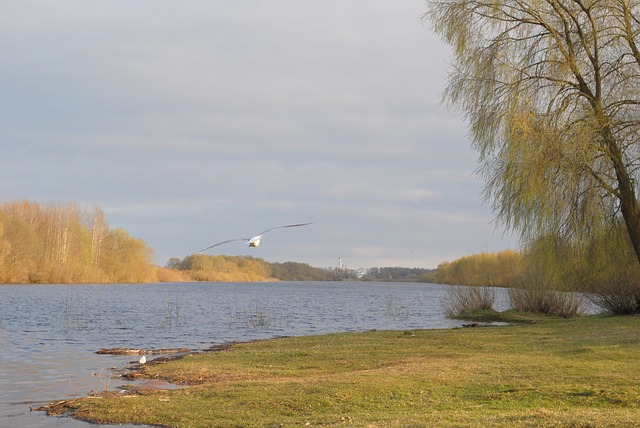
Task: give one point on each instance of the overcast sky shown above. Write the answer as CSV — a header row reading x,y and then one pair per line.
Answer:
x,y
193,122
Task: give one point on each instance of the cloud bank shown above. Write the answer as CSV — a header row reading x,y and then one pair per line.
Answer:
x,y
194,122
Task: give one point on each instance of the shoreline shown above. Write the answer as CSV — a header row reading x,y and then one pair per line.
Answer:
x,y
137,372
571,374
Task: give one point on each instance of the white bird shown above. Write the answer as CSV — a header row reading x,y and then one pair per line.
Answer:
x,y
143,359
254,241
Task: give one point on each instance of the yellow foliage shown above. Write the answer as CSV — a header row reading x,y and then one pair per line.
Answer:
x,y
201,267
59,243
486,269
172,275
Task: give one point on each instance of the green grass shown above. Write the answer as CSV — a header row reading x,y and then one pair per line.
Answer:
x,y
553,373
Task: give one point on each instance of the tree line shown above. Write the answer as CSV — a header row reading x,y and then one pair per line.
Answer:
x,y
61,243
400,274
501,269
198,267
221,268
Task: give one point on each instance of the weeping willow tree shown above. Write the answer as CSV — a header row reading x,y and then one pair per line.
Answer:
x,y
551,89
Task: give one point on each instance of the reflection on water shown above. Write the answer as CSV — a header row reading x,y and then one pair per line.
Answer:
x,y
49,333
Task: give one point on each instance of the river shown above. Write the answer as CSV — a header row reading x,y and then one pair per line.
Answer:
x,y
49,333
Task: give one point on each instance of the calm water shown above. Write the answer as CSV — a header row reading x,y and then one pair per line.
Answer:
x,y
49,333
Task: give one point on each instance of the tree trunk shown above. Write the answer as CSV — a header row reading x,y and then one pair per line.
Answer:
x,y
630,211
626,193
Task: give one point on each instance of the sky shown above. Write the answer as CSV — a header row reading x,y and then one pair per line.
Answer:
x,y
194,122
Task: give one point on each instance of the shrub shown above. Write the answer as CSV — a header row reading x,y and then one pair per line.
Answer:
x,y
619,293
172,275
462,301
535,292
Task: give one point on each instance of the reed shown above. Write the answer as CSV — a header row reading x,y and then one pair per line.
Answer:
x,y
254,316
394,307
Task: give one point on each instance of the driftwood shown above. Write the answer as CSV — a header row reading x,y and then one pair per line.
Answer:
x,y
133,351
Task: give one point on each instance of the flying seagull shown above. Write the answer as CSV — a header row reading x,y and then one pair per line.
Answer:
x,y
254,241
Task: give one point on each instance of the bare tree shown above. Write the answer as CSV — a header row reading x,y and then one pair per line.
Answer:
x,y
99,229
551,89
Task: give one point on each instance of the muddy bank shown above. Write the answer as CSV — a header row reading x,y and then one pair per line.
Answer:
x,y
135,372
134,351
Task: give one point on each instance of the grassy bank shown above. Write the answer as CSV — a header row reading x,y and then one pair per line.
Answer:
x,y
577,373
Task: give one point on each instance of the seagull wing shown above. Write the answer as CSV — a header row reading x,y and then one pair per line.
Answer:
x,y
282,227
223,242
254,237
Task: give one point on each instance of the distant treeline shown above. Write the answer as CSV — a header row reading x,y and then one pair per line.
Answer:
x,y
199,267
60,243
400,274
